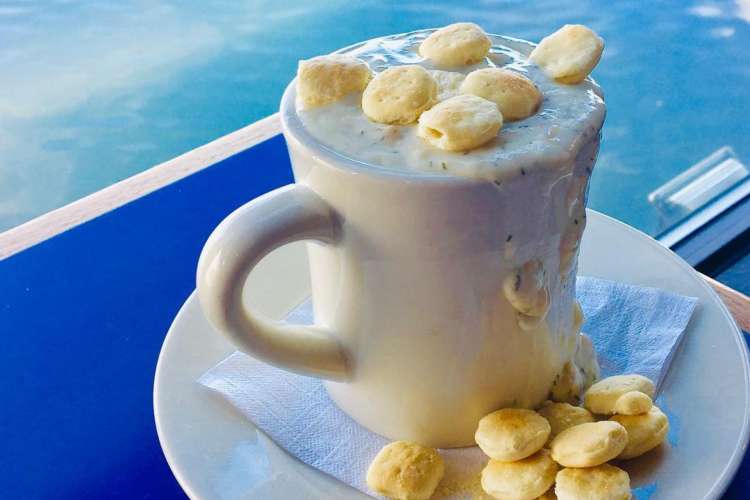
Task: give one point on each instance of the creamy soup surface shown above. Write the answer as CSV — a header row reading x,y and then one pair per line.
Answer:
x,y
567,118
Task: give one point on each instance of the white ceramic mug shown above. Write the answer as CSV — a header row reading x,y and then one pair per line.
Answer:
x,y
412,332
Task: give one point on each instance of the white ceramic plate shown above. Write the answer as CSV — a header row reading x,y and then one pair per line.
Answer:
x,y
217,454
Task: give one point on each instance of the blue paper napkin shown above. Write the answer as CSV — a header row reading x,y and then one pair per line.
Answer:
x,y
634,330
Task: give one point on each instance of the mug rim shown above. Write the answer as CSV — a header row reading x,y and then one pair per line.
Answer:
x,y
294,130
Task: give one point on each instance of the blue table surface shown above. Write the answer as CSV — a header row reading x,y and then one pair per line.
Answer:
x,y
84,315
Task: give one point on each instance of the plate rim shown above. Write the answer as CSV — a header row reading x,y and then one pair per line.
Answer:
x,y
179,475
720,484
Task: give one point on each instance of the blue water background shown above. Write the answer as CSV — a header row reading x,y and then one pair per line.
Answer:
x,y
93,92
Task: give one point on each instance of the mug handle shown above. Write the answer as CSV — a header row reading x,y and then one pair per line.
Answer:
x,y
287,214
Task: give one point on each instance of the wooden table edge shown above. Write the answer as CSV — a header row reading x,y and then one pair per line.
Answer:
x,y
100,202
60,220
